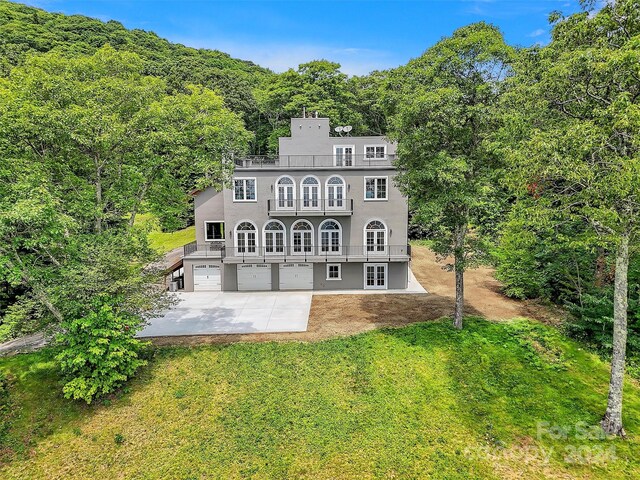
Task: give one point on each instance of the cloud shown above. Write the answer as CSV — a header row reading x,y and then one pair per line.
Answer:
x,y
279,57
537,33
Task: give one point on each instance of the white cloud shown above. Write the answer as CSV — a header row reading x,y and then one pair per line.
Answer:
x,y
282,56
537,33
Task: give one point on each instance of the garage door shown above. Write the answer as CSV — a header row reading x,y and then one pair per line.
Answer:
x,y
296,276
206,277
254,277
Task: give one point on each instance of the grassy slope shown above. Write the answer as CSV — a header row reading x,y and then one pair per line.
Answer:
x,y
405,403
164,241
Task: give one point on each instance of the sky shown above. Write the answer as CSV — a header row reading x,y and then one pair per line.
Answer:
x,y
360,35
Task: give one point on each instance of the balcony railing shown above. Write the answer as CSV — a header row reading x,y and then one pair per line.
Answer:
x,y
319,206
301,253
316,161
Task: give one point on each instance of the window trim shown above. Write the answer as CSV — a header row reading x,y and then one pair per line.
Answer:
x,y
320,252
301,220
335,155
233,192
339,265
384,156
364,192
235,239
386,276
277,192
284,237
214,239
386,237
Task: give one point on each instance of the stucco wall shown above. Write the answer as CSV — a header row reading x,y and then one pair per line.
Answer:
x,y
209,205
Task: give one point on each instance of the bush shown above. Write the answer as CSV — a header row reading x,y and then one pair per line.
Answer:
x,y
99,352
5,409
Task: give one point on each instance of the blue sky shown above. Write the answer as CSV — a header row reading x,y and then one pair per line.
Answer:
x,y
360,35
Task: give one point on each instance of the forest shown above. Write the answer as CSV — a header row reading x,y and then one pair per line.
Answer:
x,y
526,159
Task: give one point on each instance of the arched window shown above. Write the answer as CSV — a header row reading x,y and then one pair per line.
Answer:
x,y
273,239
310,193
246,238
331,237
335,193
302,237
285,193
375,237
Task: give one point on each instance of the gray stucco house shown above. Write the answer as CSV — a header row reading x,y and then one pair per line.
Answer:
x,y
322,215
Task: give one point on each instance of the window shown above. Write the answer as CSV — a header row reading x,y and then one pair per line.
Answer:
x,y
335,193
330,237
375,275
375,237
246,239
334,271
375,188
302,237
285,193
343,155
375,151
310,193
213,231
273,238
244,189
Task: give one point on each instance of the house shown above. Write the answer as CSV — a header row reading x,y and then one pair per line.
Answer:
x,y
322,215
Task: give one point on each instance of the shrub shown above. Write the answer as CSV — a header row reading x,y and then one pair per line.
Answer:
x,y
99,352
5,409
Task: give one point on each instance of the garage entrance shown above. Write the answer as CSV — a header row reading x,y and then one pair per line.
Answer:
x,y
206,277
254,276
296,276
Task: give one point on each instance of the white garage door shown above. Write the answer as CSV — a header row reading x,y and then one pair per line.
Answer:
x,y
296,276
254,277
206,277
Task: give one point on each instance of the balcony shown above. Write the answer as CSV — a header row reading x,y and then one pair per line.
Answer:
x,y
344,161
309,207
299,253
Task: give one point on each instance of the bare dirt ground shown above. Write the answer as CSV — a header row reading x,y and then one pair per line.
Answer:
x,y
340,315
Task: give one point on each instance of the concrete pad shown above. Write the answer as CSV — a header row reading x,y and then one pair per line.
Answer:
x,y
209,313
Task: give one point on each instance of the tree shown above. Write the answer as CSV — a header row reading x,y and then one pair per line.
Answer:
x,y
444,115
574,128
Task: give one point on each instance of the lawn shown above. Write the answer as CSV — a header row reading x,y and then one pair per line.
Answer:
x,y
161,241
415,402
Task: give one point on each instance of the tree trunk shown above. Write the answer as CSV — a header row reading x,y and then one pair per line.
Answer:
x,y
612,421
99,207
459,267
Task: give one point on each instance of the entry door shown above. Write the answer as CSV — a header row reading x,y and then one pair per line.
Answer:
x,y
375,276
296,276
206,277
344,156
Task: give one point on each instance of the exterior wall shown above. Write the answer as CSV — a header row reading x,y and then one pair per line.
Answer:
x,y
209,206
229,278
188,271
394,211
310,136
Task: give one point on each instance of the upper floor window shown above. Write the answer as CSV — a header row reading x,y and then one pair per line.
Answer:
x,y
335,193
244,189
375,151
246,238
285,193
302,237
310,192
273,239
343,155
213,231
375,188
330,237
375,237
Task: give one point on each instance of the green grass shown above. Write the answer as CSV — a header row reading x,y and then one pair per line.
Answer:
x,y
161,241
424,401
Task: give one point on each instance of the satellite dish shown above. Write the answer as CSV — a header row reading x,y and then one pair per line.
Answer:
x,y
339,129
348,128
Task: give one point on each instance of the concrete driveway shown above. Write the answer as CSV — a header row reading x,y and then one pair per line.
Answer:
x,y
201,313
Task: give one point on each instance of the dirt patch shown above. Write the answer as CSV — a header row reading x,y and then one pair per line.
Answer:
x,y
341,315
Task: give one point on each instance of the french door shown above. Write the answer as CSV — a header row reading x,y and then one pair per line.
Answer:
x,y
375,276
302,242
285,197
344,156
335,196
